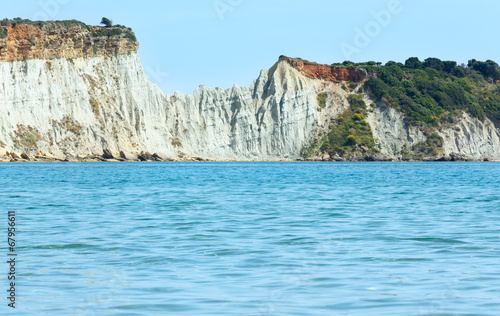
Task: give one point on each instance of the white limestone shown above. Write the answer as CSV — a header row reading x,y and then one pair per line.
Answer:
x,y
84,106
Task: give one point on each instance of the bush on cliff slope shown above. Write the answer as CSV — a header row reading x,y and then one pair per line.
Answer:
x,y
348,135
350,131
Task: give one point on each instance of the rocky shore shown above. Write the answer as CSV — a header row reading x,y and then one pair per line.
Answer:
x,y
7,155
453,157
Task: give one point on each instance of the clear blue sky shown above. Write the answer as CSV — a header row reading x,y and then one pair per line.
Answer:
x,y
222,42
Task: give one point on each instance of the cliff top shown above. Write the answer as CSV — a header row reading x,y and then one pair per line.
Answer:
x,y
325,72
24,39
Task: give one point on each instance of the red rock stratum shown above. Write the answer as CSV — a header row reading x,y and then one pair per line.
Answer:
x,y
325,72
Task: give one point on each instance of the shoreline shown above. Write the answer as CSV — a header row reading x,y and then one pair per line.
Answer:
x,y
52,161
108,156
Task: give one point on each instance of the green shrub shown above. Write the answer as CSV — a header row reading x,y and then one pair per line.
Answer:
x,y
348,132
107,32
356,103
358,117
322,99
40,24
351,140
131,36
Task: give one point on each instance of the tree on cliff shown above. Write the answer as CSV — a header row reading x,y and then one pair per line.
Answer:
x,y
435,63
413,63
107,22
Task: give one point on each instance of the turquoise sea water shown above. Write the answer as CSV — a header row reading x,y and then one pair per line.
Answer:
x,y
254,238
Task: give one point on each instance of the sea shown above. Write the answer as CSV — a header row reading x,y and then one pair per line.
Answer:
x,y
252,238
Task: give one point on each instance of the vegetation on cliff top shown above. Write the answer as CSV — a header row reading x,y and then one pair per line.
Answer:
x,y
435,91
107,22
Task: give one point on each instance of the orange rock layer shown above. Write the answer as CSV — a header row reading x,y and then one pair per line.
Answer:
x,y
325,72
58,41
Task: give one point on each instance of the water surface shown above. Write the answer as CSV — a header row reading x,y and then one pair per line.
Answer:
x,y
255,238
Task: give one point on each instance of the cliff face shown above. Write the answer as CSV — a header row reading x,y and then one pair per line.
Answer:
x,y
55,40
468,136
69,93
85,106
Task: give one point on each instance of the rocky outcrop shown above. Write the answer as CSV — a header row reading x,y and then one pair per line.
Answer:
x,y
56,40
325,72
390,131
471,138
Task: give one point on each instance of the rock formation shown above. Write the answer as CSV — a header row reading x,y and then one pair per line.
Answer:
x,y
56,40
325,72
67,93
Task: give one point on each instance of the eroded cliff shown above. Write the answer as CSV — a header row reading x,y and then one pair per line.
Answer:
x,y
68,94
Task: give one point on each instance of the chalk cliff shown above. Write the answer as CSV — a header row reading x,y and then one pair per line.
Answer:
x,y
68,93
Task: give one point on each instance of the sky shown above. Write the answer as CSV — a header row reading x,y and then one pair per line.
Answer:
x,y
219,43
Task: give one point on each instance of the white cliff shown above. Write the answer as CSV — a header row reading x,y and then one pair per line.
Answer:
x,y
469,136
82,106
472,137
